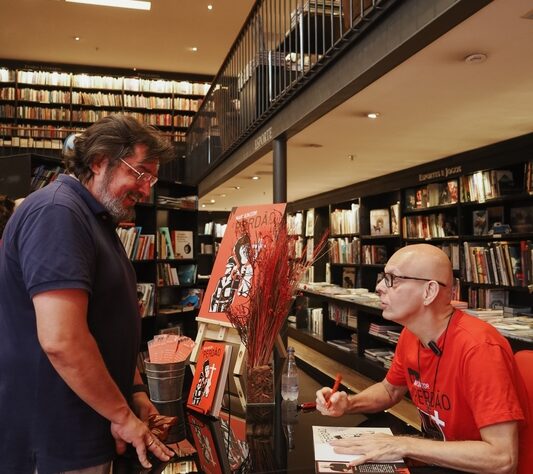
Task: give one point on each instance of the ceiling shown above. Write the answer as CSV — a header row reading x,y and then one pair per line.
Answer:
x,y
433,105
160,39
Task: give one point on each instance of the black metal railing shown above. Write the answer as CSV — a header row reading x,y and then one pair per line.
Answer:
x,y
280,47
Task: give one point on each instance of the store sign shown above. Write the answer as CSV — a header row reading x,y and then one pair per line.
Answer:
x,y
443,173
263,139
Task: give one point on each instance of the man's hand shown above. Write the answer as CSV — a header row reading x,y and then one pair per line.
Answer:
x,y
371,447
337,403
132,430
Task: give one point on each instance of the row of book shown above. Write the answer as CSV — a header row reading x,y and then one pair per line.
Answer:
x,y
344,250
343,314
63,79
345,221
183,202
174,244
44,131
499,263
429,226
215,229
39,113
152,102
136,245
296,246
452,250
43,175
490,298
17,142
347,345
431,195
169,275
146,297
385,221
43,96
484,185
295,223
381,356
374,254
387,332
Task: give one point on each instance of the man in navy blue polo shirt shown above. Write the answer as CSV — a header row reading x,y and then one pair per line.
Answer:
x,y
69,318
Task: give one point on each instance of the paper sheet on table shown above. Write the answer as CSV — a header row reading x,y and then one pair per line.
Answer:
x,y
322,435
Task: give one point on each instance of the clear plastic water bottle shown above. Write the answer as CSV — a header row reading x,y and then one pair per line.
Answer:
x,y
289,378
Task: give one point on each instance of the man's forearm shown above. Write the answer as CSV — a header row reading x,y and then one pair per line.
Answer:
x,y
377,397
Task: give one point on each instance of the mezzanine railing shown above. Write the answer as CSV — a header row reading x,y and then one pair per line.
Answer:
x,y
281,46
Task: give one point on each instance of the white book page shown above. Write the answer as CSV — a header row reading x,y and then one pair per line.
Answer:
x,y
322,435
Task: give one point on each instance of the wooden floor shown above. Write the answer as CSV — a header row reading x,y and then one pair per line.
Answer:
x,y
354,381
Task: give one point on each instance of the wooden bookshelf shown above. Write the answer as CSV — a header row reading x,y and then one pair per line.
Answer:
x,y
455,203
40,105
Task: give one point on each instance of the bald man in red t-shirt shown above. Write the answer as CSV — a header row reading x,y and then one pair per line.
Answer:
x,y
459,371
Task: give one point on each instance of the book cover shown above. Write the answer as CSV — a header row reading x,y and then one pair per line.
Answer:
x,y
379,222
191,298
522,219
348,277
187,274
206,435
395,218
209,379
328,461
232,275
183,244
165,246
480,222
410,199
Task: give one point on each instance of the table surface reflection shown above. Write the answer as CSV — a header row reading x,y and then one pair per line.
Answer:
x,y
273,439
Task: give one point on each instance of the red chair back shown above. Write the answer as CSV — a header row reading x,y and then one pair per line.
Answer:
x,y
524,360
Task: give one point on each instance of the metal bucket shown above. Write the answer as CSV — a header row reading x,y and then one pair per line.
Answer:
x,y
165,381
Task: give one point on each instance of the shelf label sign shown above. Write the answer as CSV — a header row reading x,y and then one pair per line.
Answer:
x,y
442,173
263,139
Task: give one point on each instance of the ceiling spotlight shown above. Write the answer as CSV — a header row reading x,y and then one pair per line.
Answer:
x,y
209,7
212,201
351,157
76,38
194,48
373,115
236,187
223,195
203,205
255,178
476,58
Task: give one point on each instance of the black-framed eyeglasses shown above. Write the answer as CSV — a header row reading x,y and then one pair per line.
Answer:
x,y
142,177
390,277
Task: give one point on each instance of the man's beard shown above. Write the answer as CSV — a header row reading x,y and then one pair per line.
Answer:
x,y
113,204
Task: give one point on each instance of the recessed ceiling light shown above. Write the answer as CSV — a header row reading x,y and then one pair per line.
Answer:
x,y
236,187
373,115
194,48
209,7
223,195
203,205
255,178
76,38
135,4
212,201
476,58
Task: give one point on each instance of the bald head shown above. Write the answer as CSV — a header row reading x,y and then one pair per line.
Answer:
x,y
422,261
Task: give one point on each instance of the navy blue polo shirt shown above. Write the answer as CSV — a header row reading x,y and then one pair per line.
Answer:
x,y
60,237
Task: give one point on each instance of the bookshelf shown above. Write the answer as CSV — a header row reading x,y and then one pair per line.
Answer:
x,y
41,105
477,207
211,228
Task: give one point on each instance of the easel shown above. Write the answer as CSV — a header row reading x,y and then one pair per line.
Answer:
x,y
223,331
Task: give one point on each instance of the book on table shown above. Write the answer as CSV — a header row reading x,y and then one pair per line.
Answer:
x,y
209,380
328,461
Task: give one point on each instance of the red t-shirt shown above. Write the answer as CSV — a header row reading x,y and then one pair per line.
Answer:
x,y
472,384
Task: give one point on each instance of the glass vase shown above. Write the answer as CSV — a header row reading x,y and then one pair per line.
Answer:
x,y
260,385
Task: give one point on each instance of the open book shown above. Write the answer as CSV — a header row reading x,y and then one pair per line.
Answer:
x,y
328,461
